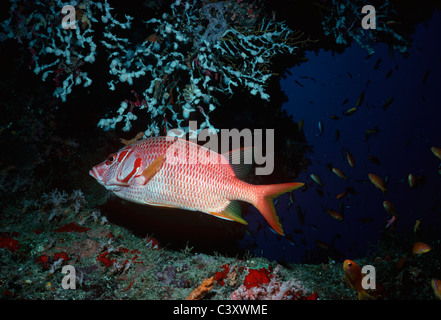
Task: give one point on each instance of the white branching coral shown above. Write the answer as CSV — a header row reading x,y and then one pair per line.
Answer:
x,y
58,202
58,52
78,200
344,23
190,55
195,53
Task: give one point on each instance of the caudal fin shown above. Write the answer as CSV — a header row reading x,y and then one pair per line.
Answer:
x,y
264,202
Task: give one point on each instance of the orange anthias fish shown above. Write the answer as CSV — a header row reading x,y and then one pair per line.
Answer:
x,y
390,222
317,179
436,286
416,226
173,172
376,180
341,195
412,181
420,248
436,151
300,125
350,158
335,214
389,207
339,173
353,275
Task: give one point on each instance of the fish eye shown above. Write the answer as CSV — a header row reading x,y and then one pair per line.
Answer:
x,y
110,159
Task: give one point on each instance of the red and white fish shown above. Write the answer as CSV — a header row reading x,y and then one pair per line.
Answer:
x,y
172,172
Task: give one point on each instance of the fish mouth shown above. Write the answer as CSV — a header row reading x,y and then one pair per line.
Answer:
x,y
94,173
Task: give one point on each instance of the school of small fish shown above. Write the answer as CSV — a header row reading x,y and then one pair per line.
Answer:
x,y
351,270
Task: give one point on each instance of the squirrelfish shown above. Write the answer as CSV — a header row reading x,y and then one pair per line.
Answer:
x,y
173,172
376,180
354,276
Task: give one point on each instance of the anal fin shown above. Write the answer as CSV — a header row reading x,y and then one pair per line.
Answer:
x,y
231,212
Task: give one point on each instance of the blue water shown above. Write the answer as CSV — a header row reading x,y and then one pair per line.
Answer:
x,y
408,128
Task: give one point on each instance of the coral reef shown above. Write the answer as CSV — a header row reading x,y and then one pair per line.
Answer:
x,y
343,23
188,55
112,263
262,284
188,63
202,289
181,64
56,52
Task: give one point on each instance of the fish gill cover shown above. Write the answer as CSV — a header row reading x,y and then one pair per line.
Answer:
x,y
352,109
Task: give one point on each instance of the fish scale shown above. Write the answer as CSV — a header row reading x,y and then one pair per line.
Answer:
x,y
174,172
180,190
176,184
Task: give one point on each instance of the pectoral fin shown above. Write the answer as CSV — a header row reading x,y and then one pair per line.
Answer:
x,y
153,168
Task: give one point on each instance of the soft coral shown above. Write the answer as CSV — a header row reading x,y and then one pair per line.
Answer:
x,y
256,277
260,284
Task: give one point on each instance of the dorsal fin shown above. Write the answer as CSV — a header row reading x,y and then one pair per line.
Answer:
x,y
241,161
153,168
